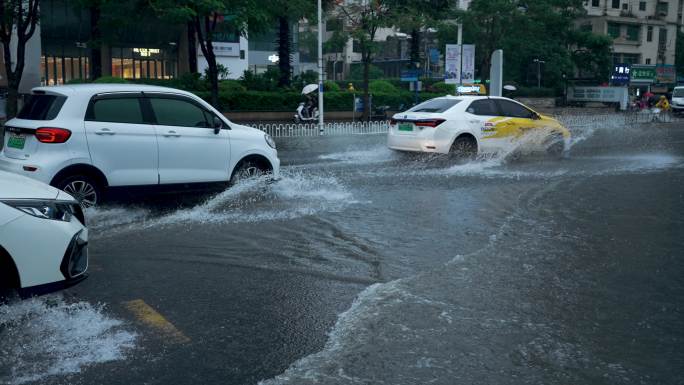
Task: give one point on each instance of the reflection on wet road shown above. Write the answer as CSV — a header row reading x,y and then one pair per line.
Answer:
x,y
362,265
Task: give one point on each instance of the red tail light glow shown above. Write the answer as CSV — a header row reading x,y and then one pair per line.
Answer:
x,y
429,122
393,122
52,135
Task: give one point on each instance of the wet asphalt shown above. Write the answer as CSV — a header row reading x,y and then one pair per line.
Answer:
x,y
377,267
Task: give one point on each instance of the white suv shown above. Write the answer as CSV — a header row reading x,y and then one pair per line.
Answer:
x,y
86,138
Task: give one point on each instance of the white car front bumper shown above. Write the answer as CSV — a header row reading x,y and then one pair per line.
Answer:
x,y
46,251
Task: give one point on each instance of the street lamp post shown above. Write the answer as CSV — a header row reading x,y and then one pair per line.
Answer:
x,y
320,67
539,63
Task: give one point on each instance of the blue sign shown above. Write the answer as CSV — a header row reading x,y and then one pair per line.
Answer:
x,y
620,74
410,75
434,55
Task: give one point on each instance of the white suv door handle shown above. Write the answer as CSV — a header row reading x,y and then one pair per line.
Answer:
x,y
172,133
105,131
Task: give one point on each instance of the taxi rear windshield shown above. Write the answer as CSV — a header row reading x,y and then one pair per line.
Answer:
x,y
42,107
435,105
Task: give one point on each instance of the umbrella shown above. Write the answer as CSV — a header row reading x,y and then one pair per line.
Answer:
x,y
309,88
509,88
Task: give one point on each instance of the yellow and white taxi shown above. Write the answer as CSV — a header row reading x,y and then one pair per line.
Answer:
x,y
470,125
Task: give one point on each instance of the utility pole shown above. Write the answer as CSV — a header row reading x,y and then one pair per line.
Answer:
x,y
539,63
320,68
459,41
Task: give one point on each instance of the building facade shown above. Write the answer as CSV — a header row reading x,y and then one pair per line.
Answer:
x,y
644,32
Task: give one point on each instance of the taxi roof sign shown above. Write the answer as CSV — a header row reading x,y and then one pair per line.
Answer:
x,y
472,89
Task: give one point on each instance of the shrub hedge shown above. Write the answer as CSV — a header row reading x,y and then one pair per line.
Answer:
x,y
288,101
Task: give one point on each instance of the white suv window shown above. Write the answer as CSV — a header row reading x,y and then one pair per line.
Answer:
x,y
177,112
116,110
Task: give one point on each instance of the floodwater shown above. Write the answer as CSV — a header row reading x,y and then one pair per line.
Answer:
x,y
364,266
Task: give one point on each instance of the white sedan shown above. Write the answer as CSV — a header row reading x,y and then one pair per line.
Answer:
x,y
43,237
470,125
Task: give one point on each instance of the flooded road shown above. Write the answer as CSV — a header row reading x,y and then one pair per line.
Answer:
x,y
364,266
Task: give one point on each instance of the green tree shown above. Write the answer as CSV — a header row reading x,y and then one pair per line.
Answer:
x,y
205,17
414,17
528,30
284,13
363,18
18,19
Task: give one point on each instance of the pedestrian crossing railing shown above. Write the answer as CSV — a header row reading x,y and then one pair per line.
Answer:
x,y
614,120
279,130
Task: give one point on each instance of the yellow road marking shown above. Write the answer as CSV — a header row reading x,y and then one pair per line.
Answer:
x,y
147,315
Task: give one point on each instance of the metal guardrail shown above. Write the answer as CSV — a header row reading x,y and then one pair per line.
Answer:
x,y
617,120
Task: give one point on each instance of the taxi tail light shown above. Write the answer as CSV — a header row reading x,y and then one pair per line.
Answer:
x,y
393,122
52,135
429,122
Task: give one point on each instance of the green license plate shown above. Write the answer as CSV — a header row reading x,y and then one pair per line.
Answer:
x,y
16,141
405,126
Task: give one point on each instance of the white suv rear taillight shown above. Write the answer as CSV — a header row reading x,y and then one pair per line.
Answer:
x,y
52,135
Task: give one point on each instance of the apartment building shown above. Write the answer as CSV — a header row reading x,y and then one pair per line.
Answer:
x,y
643,31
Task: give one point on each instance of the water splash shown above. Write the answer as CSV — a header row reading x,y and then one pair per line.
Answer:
x,y
296,194
46,336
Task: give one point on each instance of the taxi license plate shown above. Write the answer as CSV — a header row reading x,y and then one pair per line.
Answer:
x,y
16,141
405,126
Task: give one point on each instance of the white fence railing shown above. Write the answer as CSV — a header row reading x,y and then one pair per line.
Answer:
x,y
280,130
284,130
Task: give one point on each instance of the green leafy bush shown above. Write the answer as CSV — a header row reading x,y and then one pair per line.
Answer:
x,y
381,86
77,81
356,72
442,87
535,92
267,81
330,86
231,86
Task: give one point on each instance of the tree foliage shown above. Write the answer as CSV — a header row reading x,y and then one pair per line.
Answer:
x,y
18,20
205,17
528,30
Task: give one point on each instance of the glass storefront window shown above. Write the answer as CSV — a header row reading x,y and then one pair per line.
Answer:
x,y
140,62
60,70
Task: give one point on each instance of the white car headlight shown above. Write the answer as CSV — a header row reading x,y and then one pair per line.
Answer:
x,y
270,141
54,210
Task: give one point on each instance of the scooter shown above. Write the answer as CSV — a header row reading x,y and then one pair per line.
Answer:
x,y
307,113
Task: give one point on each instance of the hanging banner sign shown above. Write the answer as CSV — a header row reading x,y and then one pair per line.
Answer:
x,y
452,72
468,58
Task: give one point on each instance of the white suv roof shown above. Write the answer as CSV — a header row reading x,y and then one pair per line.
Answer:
x,y
94,89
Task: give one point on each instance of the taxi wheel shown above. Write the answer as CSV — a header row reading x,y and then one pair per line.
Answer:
x,y
464,147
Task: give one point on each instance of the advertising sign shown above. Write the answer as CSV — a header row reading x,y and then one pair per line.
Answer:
x,y
452,72
225,49
642,74
666,74
468,58
620,74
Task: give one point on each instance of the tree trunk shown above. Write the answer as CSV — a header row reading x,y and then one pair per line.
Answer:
x,y
284,52
415,47
192,49
366,88
213,78
95,43
12,106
